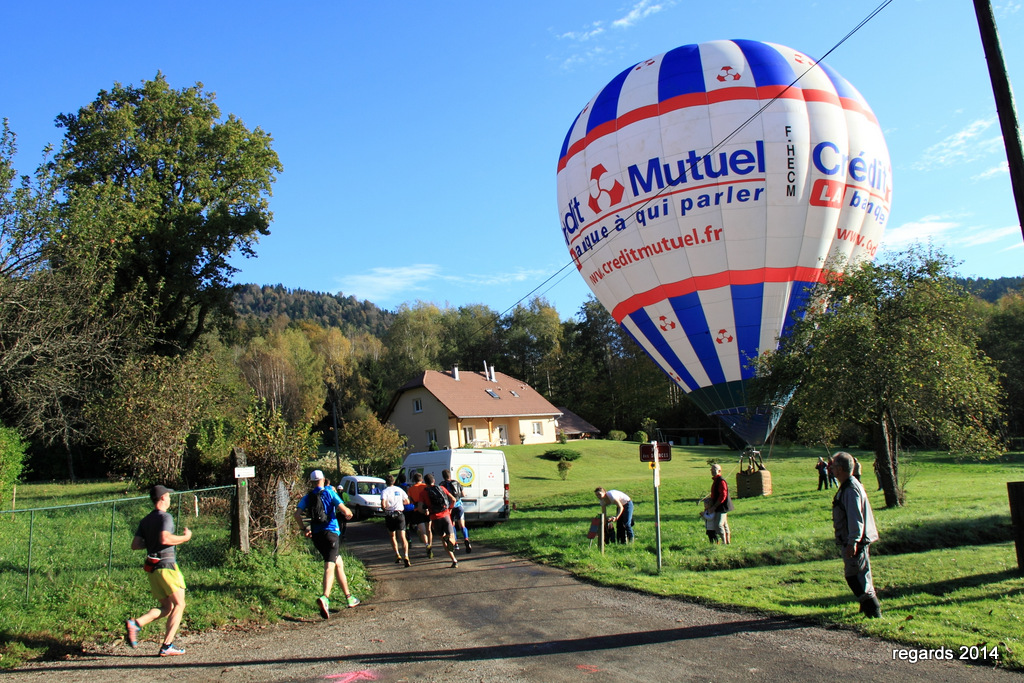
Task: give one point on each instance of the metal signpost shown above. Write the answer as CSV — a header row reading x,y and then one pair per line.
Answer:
x,y
654,453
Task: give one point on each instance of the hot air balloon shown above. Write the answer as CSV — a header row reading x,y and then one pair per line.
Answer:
x,y
701,194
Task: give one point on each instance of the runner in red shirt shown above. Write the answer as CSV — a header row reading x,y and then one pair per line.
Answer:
x,y
441,517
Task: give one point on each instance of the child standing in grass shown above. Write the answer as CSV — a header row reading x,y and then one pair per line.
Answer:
x,y
711,527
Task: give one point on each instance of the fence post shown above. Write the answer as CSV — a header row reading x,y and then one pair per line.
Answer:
x,y
28,571
110,552
1015,490
240,506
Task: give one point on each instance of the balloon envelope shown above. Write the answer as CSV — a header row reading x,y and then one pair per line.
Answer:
x,y
702,191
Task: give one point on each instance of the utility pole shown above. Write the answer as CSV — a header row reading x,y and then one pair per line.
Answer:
x,y
1004,102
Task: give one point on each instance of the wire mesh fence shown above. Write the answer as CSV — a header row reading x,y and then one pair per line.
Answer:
x,y
63,543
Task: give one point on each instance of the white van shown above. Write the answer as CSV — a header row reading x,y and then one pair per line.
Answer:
x,y
362,495
482,473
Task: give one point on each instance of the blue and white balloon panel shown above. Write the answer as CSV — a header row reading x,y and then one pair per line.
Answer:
x,y
703,191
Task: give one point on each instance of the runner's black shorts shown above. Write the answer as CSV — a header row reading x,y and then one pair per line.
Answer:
x,y
414,517
394,521
327,543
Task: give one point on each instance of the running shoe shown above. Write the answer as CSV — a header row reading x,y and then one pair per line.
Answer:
x,y
407,562
353,601
169,650
469,547
454,565
430,553
325,606
131,637
398,559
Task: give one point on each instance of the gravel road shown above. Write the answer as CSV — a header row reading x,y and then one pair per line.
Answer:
x,y
501,618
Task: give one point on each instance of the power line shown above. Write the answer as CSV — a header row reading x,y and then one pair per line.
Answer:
x,y
731,135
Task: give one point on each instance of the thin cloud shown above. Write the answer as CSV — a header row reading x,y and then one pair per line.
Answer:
x,y
929,228
640,10
385,285
997,170
592,34
980,237
963,146
946,231
587,33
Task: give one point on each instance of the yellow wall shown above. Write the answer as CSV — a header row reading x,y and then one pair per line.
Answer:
x,y
414,425
435,416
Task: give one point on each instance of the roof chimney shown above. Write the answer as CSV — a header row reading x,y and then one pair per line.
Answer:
x,y
455,372
493,378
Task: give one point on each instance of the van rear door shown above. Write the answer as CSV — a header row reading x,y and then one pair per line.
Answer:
x,y
483,476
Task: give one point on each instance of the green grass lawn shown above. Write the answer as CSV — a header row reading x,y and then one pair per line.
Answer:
x,y
945,565
76,599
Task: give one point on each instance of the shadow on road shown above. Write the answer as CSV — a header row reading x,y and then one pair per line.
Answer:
x,y
617,641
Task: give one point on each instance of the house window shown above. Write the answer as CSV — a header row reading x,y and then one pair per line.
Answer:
x,y
417,405
490,392
538,427
468,434
431,436
513,393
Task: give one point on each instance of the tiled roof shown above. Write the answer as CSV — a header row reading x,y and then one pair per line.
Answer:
x,y
571,423
468,396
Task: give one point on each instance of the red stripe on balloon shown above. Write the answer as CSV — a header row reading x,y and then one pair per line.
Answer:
x,y
702,283
702,99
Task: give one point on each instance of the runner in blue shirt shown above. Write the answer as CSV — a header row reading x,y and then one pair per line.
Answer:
x,y
325,537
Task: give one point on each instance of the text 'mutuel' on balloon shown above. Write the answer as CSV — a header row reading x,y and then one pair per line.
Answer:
x,y
701,193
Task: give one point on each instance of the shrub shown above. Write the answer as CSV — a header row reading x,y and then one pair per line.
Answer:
x,y
208,452
327,463
563,468
639,436
617,435
560,454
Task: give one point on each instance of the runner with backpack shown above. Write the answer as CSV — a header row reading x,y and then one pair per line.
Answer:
x,y
458,513
417,517
439,504
322,505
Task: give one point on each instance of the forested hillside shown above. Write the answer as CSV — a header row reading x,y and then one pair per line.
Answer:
x,y
327,310
992,290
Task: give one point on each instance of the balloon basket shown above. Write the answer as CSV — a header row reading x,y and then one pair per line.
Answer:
x,y
754,479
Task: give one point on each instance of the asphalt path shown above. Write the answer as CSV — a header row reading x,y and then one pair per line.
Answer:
x,y
498,617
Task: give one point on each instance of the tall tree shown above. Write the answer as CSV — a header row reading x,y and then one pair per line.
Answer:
x,y
372,447
181,190
412,343
156,403
287,375
57,344
471,336
1002,338
532,337
890,346
605,376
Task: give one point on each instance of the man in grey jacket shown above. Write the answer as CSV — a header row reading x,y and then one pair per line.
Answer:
x,y
855,530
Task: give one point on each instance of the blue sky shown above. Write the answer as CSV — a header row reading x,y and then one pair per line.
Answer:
x,y
420,139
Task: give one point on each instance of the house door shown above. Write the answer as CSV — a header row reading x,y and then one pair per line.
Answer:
x,y
502,435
